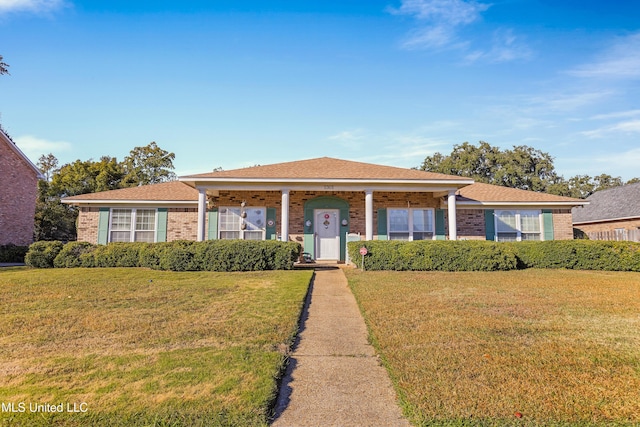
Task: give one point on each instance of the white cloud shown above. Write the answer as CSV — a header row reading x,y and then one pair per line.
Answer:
x,y
441,22
34,147
621,60
505,47
353,139
36,6
626,127
443,12
617,115
348,135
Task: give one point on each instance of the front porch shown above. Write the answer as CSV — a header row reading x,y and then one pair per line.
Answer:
x,y
321,220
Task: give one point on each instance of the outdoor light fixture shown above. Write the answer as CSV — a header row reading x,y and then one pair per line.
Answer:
x,y
308,223
345,222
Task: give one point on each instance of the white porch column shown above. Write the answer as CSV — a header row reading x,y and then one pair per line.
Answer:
x,y
284,233
202,213
368,204
453,222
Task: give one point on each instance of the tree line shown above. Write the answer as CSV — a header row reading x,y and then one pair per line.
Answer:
x,y
522,167
55,220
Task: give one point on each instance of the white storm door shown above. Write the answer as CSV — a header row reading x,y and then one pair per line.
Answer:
x,y
327,232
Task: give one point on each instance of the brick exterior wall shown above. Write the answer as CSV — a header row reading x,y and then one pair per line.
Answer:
x,y
18,192
182,224
470,224
610,226
88,224
562,224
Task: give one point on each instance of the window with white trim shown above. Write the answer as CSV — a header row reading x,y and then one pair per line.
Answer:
x,y
132,225
242,223
410,224
518,225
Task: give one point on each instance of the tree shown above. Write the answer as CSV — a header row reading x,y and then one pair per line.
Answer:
x,y
55,220
523,167
82,177
3,66
47,165
148,165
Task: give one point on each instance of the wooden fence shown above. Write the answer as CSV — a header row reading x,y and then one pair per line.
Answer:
x,y
621,235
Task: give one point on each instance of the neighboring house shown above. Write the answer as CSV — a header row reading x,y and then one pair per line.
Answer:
x,y
612,214
18,193
319,203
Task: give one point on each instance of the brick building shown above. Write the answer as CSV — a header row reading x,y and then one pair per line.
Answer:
x,y
612,214
318,203
18,192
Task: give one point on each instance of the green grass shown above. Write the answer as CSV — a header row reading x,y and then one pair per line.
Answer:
x,y
560,348
143,347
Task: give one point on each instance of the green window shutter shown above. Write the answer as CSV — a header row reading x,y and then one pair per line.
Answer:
x,y
161,234
271,219
309,241
212,219
440,234
547,221
103,226
382,224
489,224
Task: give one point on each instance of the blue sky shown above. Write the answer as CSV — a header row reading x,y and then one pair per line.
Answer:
x,y
237,83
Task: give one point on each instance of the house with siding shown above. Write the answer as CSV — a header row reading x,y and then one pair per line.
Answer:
x,y
612,214
319,203
18,192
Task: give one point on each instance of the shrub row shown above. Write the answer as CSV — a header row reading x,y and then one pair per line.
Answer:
x,y
12,253
434,255
212,255
579,255
492,256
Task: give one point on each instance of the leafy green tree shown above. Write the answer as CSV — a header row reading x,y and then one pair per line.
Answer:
x,y
82,177
522,167
148,165
48,165
4,67
53,219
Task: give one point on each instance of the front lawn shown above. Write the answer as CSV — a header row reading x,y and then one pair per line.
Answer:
x,y
530,348
140,347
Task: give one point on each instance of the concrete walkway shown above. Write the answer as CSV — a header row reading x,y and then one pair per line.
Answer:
x,y
334,377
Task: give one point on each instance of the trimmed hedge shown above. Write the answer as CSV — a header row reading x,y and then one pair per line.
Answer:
x,y
434,255
42,254
213,255
492,256
13,253
579,255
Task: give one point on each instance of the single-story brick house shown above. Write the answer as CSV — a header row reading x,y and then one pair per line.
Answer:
x,y
612,214
319,203
18,192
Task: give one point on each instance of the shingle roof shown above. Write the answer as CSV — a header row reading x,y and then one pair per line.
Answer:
x,y
174,191
481,192
177,191
614,203
327,168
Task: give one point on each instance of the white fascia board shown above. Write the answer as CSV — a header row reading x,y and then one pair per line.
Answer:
x,y
595,221
325,187
484,205
131,202
207,182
